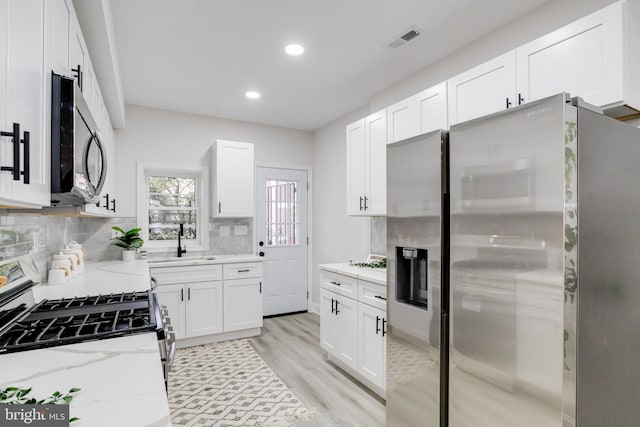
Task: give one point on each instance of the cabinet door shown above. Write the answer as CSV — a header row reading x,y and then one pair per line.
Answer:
x,y
375,131
233,179
347,314
78,55
371,344
242,304
204,308
584,58
328,321
356,161
401,122
483,90
172,296
60,30
431,109
26,93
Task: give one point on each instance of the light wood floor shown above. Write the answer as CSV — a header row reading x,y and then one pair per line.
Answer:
x,y
290,345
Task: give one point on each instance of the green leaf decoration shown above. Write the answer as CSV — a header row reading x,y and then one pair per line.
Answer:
x,y
129,239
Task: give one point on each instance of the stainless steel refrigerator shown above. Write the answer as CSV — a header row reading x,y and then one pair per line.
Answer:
x,y
535,223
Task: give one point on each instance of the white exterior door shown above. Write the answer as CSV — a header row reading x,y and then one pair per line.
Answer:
x,y
485,89
281,232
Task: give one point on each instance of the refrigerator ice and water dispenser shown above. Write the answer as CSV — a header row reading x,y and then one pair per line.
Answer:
x,y
411,276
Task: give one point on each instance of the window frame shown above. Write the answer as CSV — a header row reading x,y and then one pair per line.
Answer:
x,y
201,175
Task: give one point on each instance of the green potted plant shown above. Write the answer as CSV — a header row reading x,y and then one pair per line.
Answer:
x,y
129,241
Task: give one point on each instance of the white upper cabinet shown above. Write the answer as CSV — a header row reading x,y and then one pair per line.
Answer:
x,y
61,17
356,170
421,113
233,179
482,90
401,120
367,165
375,132
431,109
584,58
25,93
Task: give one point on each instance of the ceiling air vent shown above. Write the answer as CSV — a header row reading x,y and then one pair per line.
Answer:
x,y
406,37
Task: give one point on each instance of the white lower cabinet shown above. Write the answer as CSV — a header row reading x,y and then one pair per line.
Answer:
x,y
372,330
243,304
353,331
206,306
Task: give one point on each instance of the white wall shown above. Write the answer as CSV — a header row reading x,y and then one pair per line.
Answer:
x,y
336,237
170,137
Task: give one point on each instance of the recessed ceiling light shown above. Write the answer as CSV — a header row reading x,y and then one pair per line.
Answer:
x,y
252,94
294,49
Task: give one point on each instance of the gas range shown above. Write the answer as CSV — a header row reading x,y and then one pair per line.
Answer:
x,y
27,325
71,320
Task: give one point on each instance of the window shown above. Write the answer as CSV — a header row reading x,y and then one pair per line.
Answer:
x,y
173,195
282,217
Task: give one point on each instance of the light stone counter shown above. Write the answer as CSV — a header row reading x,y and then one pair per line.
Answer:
x,y
121,378
374,275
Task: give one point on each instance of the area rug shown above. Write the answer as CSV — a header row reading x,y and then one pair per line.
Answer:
x,y
228,384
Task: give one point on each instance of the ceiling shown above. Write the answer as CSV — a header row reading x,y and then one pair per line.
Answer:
x,y
201,56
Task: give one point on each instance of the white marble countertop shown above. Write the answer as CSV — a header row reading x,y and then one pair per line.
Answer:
x,y
374,275
201,260
121,378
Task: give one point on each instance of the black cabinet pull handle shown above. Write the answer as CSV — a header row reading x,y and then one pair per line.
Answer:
x,y
15,135
377,324
182,294
106,201
189,294
26,153
508,102
113,205
380,297
361,202
337,311
244,271
520,99
219,207
384,329
77,73
260,287
336,283
332,301
365,203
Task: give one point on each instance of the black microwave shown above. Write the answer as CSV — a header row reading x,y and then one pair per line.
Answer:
x,y
78,156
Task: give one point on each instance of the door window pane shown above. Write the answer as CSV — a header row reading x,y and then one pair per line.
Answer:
x,y
282,225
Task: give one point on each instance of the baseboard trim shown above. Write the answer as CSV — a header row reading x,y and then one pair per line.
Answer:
x,y
284,314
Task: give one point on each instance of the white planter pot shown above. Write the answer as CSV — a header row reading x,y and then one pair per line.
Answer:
x,y
129,255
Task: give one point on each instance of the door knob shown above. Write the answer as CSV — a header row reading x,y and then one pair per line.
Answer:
x,y
261,253
261,243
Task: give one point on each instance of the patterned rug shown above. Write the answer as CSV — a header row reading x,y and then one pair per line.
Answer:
x,y
228,384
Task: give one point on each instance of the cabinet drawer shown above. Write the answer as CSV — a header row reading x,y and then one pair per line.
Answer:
x,y
242,270
372,294
187,274
343,285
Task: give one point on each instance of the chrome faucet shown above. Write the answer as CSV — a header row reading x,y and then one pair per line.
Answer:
x,y
181,250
